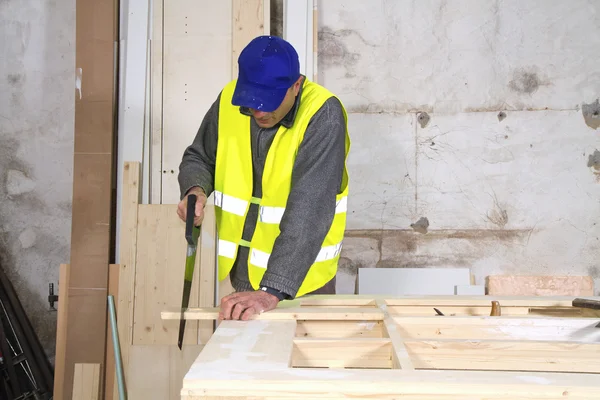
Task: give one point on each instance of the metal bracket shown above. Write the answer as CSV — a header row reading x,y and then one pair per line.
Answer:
x,y
52,298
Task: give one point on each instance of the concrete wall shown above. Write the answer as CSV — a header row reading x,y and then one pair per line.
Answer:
x,y
36,150
474,137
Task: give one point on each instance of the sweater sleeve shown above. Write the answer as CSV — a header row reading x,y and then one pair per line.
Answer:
x,y
197,167
316,181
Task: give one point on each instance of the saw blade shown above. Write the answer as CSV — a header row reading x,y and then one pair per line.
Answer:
x,y
191,234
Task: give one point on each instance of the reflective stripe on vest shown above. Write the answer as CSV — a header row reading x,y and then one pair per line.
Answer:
x,y
261,259
268,215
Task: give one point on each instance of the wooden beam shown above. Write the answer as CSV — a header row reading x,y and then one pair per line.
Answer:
x,y
342,353
61,331
303,313
448,354
128,251
400,357
339,329
510,328
110,377
505,355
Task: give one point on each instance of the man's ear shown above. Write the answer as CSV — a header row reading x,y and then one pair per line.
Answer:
x,y
297,85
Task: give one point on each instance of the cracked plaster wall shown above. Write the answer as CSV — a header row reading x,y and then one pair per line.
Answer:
x,y
36,150
475,133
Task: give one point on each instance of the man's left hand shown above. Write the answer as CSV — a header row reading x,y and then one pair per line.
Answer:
x,y
244,305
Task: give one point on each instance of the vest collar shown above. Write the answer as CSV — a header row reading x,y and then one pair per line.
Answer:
x,y
288,120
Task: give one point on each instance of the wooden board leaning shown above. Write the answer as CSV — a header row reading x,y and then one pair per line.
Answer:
x,y
338,347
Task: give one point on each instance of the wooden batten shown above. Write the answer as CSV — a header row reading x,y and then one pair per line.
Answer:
x,y
61,331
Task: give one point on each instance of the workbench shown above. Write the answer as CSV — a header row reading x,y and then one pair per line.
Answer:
x,y
433,347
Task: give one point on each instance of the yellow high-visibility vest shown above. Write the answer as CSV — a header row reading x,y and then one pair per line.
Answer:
x,y
233,190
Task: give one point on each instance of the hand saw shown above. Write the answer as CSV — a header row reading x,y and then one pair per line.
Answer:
x,y
191,235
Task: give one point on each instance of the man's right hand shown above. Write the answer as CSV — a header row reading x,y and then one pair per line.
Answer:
x,y
200,202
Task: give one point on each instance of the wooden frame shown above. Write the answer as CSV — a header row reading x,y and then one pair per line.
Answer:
x,y
332,347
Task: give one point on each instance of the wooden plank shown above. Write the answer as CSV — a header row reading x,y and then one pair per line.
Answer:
x,y
61,331
518,285
505,355
207,271
339,329
485,310
127,254
434,301
301,313
156,371
160,267
342,353
110,377
509,328
448,354
86,381
248,22
400,357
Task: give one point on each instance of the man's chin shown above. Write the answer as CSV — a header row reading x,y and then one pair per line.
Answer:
x,y
268,124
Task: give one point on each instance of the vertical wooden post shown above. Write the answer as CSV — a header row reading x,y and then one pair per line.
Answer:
x,y
128,250
61,331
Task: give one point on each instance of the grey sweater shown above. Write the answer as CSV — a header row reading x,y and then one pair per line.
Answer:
x,y
316,179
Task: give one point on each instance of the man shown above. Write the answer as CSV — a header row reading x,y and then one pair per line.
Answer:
x,y
272,148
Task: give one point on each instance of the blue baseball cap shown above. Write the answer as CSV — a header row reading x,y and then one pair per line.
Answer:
x,y
268,67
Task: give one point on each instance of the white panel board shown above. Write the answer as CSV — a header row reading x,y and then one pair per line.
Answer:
x,y
197,64
298,30
133,133
382,171
469,290
411,281
448,56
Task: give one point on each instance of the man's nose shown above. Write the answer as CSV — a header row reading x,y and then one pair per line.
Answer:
x,y
259,114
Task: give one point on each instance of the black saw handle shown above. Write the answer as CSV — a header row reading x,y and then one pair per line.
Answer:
x,y
189,220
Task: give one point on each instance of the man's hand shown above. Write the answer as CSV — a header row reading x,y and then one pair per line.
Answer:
x,y
244,305
200,202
